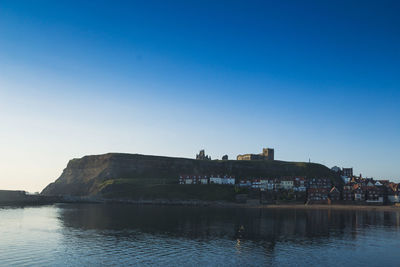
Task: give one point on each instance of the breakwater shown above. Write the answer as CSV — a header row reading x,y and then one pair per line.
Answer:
x,y
10,197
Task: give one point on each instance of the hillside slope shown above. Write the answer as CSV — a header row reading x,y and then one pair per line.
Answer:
x,y
103,174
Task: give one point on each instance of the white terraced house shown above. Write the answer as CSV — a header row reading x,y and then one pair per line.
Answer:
x,y
204,180
287,184
228,180
215,179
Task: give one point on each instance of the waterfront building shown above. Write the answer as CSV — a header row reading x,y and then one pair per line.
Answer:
x,y
263,184
193,179
229,180
277,184
354,180
189,180
204,179
272,184
317,194
370,182
319,183
300,184
287,184
393,193
359,193
374,194
347,193
185,179
215,179
384,182
334,194
345,179
267,184
256,184
393,197
245,183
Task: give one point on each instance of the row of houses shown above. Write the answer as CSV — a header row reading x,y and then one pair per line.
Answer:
x,y
367,190
323,194
358,190
299,184
204,179
371,191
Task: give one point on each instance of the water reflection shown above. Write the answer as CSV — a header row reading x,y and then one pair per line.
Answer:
x,y
232,223
127,235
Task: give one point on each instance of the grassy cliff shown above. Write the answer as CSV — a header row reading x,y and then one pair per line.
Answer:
x,y
149,177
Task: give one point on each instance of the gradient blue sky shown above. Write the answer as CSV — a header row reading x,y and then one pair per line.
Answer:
x,y
313,79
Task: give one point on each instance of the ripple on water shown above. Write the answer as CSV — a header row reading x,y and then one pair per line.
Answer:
x,y
73,236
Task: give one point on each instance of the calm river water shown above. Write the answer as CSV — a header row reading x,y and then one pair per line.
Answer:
x,y
128,235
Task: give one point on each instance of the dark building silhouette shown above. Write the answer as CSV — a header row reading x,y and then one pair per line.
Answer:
x,y
268,153
202,155
347,172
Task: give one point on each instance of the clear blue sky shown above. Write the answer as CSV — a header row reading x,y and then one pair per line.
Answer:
x,y
313,79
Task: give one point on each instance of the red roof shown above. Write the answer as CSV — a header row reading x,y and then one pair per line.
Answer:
x,y
334,189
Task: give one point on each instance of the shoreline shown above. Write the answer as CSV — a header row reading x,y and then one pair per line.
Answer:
x,y
334,207
225,204
309,206
195,203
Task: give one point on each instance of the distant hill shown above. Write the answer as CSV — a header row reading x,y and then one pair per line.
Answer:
x,y
142,176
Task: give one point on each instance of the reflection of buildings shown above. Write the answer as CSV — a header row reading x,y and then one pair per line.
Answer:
x,y
268,228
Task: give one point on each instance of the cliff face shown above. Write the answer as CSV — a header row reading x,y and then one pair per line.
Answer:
x,y
89,175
